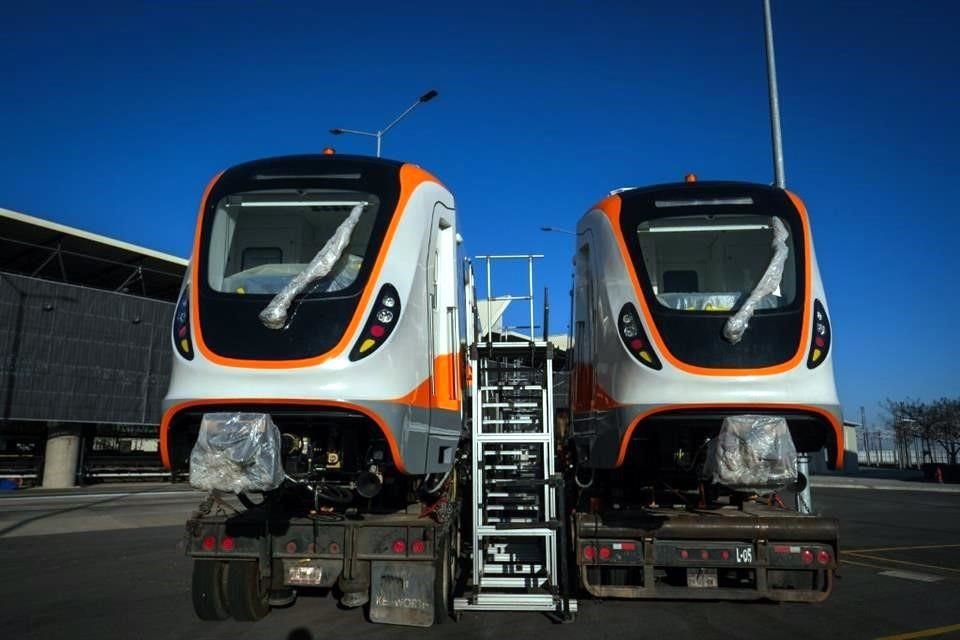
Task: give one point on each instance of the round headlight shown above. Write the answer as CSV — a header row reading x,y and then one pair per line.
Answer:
x,y
628,319
630,331
385,316
389,301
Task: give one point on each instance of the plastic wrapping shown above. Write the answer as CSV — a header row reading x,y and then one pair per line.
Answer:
x,y
274,315
719,301
271,278
770,281
236,452
752,453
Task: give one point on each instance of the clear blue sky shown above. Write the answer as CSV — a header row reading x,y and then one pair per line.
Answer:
x,y
113,118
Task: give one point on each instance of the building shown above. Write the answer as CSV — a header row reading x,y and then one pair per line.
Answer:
x,y
84,344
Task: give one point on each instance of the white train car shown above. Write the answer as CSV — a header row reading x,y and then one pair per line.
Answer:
x,y
360,368
660,272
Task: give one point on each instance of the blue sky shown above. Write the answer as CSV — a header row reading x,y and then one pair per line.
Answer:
x,y
114,117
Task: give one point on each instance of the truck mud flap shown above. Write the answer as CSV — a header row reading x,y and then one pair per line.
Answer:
x,y
402,593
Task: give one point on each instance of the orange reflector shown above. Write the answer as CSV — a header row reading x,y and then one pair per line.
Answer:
x,y
690,177
816,355
646,356
367,344
329,151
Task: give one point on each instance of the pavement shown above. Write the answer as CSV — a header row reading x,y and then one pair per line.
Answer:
x,y
108,562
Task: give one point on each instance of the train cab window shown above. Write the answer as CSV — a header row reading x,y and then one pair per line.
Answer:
x,y
260,240
712,262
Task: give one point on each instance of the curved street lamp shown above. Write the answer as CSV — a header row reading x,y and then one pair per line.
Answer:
x,y
427,97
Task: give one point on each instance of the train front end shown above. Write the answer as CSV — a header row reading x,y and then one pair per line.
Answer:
x,y
312,297
695,302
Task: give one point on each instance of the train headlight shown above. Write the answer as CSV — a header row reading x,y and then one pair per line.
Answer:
x,y
182,342
634,338
820,338
380,324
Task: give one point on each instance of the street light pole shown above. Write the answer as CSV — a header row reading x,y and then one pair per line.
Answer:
x,y
379,133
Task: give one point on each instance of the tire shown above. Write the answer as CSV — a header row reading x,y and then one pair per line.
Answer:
x,y
208,590
247,595
444,577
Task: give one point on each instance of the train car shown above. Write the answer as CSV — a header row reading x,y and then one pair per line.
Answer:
x,y
660,274
366,360
702,342
323,293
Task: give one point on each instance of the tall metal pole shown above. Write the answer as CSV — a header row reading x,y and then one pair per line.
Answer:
x,y
779,178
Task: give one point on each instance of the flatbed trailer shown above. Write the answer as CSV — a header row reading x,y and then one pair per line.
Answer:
x,y
747,552
246,561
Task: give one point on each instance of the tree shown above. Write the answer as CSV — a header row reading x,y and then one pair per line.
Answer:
x,y
933,422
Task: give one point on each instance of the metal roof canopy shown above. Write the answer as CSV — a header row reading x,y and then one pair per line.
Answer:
x,y
43,249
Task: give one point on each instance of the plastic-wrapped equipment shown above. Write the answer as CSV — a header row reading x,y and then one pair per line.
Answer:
x,y
721,301
274,315
237,452
272,278
769,282
752,453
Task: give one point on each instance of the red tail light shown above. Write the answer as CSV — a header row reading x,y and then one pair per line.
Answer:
x,y
823,557
635,339
182,341
589,552
418,546
399,546
209,543
704,555
806,556
291,547
227,544
384,316
820,340
605,553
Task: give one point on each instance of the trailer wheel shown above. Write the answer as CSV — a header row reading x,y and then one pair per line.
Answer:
x,y
445,576
208,589
247,595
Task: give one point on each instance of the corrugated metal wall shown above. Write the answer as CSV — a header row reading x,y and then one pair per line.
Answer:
x,y
69,353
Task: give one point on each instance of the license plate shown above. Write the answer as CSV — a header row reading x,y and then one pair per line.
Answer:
x,y
702,578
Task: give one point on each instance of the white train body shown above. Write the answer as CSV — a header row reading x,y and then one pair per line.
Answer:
x,y
659,271
369,360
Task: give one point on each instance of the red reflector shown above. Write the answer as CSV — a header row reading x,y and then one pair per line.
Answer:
x,y
704,555
605,553
589,552
209,543
227,543
724,555
806,556
418,546
781,548
377,331
291,547
399,546
628,546
819,341
823,557
684,554
636,344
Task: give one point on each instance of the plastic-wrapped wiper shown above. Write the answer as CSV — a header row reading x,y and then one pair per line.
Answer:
x,y
274,315
735,327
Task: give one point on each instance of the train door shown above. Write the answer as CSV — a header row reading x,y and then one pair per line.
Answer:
x,y
443,332
584,338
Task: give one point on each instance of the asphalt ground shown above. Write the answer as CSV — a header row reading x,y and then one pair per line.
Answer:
x,y
111,565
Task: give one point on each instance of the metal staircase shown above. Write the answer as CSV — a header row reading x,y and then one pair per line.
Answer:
x,y
518,527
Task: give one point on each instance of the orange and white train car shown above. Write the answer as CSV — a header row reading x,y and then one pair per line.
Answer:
x,y
660,271
361,366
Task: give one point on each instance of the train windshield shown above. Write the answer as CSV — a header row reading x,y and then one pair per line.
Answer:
x,y
713,262
260,240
